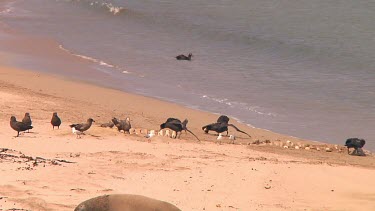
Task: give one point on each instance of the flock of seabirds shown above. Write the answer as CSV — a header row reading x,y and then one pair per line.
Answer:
x,y
174,124
137,202
220,126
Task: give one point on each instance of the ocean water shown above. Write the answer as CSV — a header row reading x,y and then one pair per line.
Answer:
x,y
303,68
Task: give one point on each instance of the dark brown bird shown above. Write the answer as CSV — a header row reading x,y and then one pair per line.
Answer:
x,y
177,126
123,125
357,144
108,124
78,129
183,57
221,125
27,120
55,121
19,126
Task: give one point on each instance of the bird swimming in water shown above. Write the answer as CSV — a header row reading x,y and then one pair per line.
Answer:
x,y
79,129
19,126
183,57
55,121
27,120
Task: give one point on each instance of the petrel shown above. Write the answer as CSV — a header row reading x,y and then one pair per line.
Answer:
x,y
183,57
357,144
27,120
221,126
177,126
123,125
55,121
79,129
19,126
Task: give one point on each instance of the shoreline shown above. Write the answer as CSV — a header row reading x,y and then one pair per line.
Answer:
x,y
66,63
190,175
150,117
50,169
69,59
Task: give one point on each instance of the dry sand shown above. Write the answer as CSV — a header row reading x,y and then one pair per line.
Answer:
x,y
52,170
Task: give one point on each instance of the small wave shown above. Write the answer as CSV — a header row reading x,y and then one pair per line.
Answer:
x,y
6,11
255,109
97,61
113,9
109,7
8,8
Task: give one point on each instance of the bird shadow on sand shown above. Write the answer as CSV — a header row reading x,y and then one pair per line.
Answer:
x,y
95,136
29,133
24,136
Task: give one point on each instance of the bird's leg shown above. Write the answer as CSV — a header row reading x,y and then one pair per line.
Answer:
x,y
348,150
18,133
179,135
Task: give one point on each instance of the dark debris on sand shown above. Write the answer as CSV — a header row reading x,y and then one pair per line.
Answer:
x,y
27,162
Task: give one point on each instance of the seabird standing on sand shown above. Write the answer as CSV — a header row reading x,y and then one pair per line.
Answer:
x,y
232,137
55,121
150,135
77,132
27,120
19,126
220,137
123,125
177,126
221,126
78,129
357,144
108,124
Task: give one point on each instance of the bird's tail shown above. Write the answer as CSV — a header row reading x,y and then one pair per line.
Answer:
x,y
239,130
193,134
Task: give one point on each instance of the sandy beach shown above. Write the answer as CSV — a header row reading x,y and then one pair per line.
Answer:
x,y
53,170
